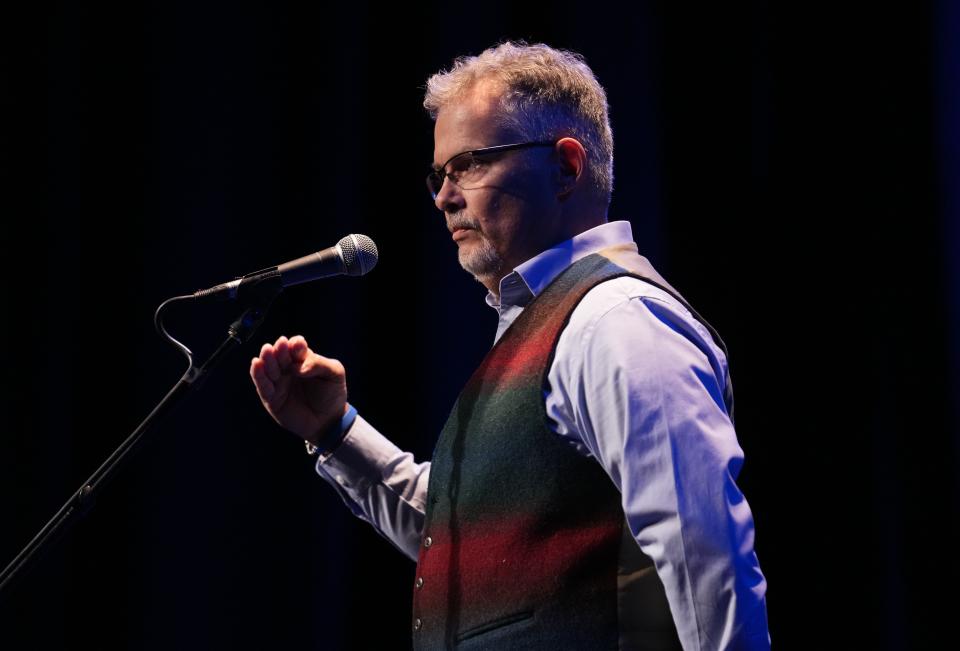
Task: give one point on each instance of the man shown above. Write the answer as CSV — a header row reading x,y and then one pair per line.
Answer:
x,y
582,494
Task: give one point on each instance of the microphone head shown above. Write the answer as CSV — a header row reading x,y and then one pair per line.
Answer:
x,y
359,254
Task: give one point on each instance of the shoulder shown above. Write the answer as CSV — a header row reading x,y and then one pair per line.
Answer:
x,y
629,345
628,328
629,299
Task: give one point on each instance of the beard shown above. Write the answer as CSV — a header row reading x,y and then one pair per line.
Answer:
x,y
479,257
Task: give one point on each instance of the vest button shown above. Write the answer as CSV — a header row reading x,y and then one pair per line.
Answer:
x,y
419,582
417,624
427,542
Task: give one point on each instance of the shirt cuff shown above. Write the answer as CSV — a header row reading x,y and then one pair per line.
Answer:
x,y
329,440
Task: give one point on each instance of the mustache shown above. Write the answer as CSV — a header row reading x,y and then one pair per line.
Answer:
x,y
461,220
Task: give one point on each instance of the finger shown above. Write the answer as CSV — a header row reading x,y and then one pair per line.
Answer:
x,y
298,348
265,386
321,367
264,348
282,349
269,356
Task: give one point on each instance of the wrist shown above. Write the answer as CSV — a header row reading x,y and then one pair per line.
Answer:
x,y
328,439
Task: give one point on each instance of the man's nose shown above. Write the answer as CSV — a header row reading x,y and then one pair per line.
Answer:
x,y
450,198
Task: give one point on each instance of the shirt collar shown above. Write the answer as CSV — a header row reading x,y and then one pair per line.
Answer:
x,y
527,280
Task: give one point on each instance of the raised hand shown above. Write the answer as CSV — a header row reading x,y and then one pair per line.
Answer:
x,y
304,392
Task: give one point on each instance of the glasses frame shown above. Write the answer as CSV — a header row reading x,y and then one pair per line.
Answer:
x,y
437,175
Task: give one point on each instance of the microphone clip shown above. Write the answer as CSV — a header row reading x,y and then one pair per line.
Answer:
x,y
254,287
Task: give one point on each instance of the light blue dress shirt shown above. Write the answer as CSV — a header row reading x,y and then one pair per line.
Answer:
x,y
637,384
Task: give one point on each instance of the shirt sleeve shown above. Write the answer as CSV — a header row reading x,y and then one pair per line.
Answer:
x,y
644,397
380,484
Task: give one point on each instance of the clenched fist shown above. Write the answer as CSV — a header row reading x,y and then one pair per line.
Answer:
x,y
304,392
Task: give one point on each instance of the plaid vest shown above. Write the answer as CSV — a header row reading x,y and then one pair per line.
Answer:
x,y
525,542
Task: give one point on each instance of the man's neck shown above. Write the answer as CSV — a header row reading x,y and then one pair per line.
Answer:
x,y
492,283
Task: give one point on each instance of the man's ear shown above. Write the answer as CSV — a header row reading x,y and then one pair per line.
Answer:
x,y
572,162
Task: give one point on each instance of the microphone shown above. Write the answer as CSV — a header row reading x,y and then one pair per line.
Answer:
x,y
354,255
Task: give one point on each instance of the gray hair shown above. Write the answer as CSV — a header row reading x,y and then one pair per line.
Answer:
x,y
548,94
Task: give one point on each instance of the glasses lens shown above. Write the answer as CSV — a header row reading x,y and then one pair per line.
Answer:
x,y
465,170
434,183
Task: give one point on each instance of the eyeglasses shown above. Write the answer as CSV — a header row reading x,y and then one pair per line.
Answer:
x,y
468,167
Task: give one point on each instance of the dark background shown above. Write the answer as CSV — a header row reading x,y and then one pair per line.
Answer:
x,y
793,171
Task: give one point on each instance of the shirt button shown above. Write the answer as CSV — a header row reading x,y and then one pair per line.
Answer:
x,y
427,542
419,582
417,624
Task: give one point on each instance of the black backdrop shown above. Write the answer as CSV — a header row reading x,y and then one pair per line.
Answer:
x,y
792,171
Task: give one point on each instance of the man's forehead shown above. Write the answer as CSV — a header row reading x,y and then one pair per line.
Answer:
x,y
467,122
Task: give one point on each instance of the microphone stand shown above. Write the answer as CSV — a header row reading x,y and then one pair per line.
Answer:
x,y
258,298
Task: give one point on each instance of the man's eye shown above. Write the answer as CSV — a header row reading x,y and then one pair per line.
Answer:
x,y
461,165
476,165
467,169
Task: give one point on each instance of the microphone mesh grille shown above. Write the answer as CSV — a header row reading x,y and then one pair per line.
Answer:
x,y
359,254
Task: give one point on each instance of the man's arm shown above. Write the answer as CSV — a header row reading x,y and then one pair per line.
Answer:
x,y
380,483
306,393
644,396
